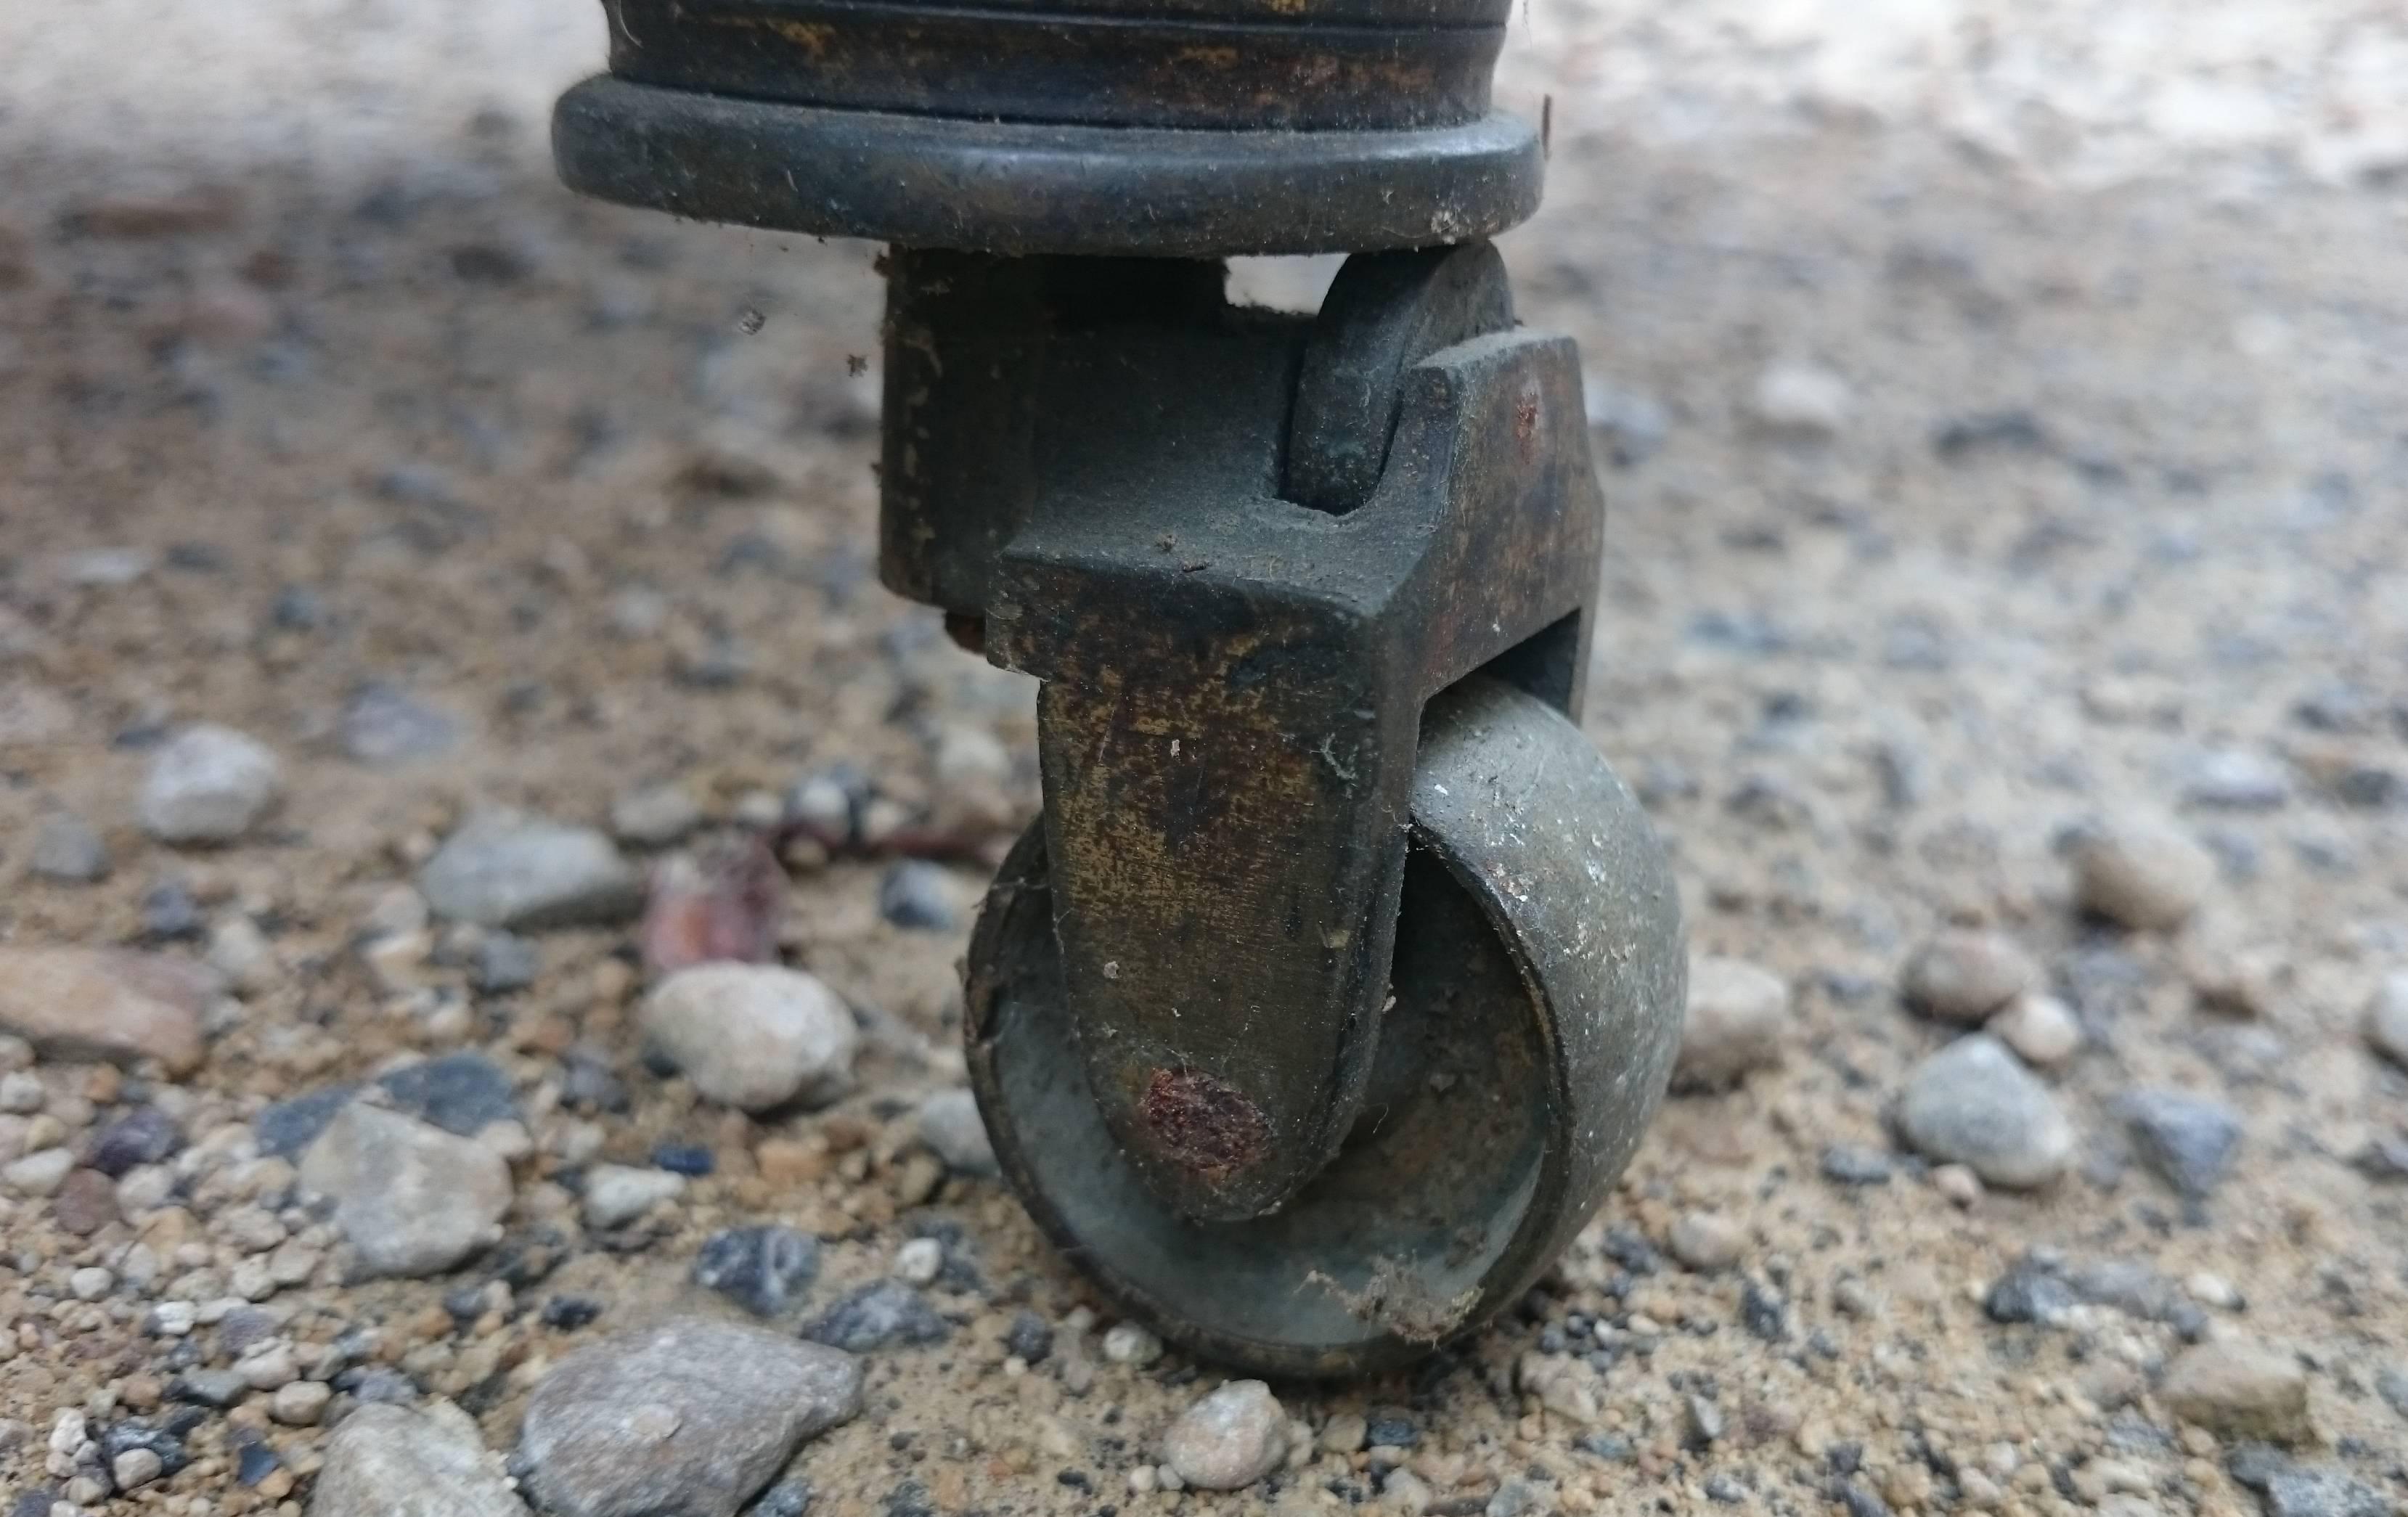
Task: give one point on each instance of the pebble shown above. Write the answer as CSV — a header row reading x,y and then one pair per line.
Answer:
x,y
654,815
1852,1163
463,1093
876,1315
1707,1241
505,963
2042,1029
39,1173
920,1261
241,952
617,1194
918,895
2240,1388
2321,1491
412,1199
1029,1338
386,1459
528,874
723,905
79,1005
2386,1018
384,727
300,1403
1738,1020
1972,1103
951,1126
1229,1440
2189,1139
1800,399
2144,874
208,784
2237,780
86,1202
136,1469
768,1269
692,1417
68,851
1963,975
753,1036
1127,1344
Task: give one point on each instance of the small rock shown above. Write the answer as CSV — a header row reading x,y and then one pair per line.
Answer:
x,y
78,1005
654,815
918,895
2042,1030
882,1312
411,1198
2240,1388
2321,1491
284,1129
920,1261
144,1135
208,784
1229,1440
68,851
1707,1241
1798,399
2386,1018
1028,1338
617,1194
1963,975
86,1203
753,1036
2145,875
300,1403
136,1469
2031,1292
951,1126
385,727
1126,1343
2189,1139
241,952
530,875
766,1270
386,1459
463,1093
1851,1164
1973,1104
1738,1019
721,906
505,963
2237,780
39,1173
691,1418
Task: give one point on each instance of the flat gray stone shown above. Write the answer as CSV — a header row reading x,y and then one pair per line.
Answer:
x,y
529,875
389,1461
688,1419
411,1198
209,785
1973,1103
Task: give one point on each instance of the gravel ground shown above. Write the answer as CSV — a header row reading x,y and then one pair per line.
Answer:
x,y
435,614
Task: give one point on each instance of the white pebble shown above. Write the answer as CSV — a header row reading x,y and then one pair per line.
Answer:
x,y
918,1261
1126,1343
90,1283
209,785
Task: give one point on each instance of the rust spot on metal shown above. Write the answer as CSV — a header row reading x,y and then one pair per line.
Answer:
x,y
1203,1125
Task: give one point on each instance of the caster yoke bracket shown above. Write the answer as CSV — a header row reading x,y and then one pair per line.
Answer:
x,y
1241,550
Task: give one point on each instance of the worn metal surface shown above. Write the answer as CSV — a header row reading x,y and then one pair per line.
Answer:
x,y
1538,971
1238,68
1232,683
1028,188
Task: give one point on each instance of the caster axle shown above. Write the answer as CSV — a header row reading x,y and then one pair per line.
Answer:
x,y
1340,975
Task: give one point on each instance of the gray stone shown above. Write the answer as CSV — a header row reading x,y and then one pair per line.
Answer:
x,y
1229,1440
2237,780
753,1035
411,1198
1963,976
506,962
463,1093
617,1194
208,784
2240,1388
388,1461
654,815
689,1419
2144,874
2322,1491
1800,400
1738,1020
1706,1241
77,1004
766,1270
2042,1030
918,895
385,727
531,875
2189,1139
1973,1103
68,851
951,1126
882,1312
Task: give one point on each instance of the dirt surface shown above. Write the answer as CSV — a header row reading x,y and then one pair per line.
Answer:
x,y
1970,488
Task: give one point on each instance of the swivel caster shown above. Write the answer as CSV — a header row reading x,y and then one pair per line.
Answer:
x,y
1340,977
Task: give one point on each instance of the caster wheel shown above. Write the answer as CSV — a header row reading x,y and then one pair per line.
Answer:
x,y
1538,982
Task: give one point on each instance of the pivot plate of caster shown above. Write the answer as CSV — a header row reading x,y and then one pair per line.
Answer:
x,y
1519,1061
